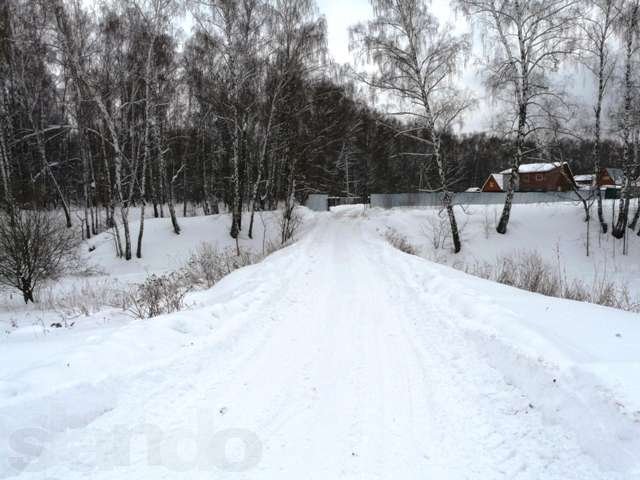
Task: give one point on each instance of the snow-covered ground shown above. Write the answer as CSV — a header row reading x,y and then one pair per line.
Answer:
x,y
163,251
556,231
337,357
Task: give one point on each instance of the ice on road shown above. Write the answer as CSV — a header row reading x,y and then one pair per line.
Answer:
x,y
338,357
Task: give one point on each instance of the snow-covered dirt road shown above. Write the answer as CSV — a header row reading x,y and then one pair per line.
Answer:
x,y
338,357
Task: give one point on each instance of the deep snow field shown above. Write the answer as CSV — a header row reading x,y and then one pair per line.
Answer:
x,y
336,357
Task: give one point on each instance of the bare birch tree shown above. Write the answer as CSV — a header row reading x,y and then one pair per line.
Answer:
x,y
416,60
78,71
629,33
526,40
27,50
598,28
156,15
235,29
5,152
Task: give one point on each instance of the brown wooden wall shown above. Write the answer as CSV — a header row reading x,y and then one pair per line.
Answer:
x,y
556,180
491,185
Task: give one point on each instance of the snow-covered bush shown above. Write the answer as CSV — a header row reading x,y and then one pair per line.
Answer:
x,y
160,294
399,241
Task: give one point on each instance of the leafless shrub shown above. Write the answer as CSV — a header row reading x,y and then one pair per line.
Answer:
x,y
160,294
270,247
207,265
578,291
437,229
506,272
399,241
534,275
290,222
528,271
479,269
35,246
84,299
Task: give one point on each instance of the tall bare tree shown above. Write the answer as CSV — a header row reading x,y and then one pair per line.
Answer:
x,y
5,151
236,32
629,33
598,29
27,51
526,40
156,15
416,60
79,72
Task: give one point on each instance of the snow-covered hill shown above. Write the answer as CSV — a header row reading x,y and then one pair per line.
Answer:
x,y
337,357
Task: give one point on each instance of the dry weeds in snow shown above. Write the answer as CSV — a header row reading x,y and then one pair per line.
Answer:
x,y
528,271
399,241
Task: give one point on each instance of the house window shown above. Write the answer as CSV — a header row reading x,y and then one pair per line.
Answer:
x,y
525,178
539,177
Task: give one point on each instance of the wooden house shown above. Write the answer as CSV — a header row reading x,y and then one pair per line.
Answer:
x,y
584,181
610,177
495,183
534,177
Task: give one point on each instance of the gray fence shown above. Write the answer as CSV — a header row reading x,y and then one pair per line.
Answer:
x,y
318,202
423,199
321,202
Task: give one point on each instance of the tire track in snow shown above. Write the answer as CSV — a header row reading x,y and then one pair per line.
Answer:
x,y
500,436
342,359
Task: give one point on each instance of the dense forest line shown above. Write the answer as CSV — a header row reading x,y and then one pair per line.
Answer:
x,y
110,107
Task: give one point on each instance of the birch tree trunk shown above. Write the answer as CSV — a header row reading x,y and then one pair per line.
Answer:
x,y
5,162
597,133
147,146
522,95
80,75
515,169
236,211
47,168
447,195
157,134
620,227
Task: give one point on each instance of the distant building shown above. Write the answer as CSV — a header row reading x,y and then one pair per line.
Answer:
x,y
610,177
534,177
584,181
495,183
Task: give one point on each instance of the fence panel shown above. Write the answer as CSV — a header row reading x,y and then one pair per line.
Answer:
x,y
318,202
426,199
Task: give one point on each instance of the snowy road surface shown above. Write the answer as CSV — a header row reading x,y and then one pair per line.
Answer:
x,y
339,357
